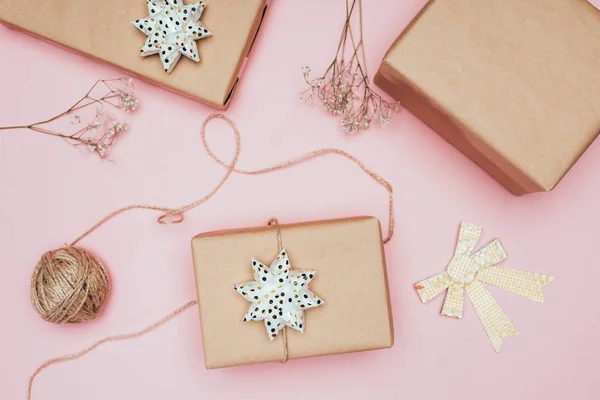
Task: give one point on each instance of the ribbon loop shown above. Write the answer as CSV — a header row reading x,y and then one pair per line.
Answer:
x,y
468,236
490,254
430,288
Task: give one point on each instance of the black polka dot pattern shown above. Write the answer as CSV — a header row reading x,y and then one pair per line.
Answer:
x,y
278,295
172,29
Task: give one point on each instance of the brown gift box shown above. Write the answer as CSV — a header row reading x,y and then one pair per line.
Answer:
x,y
513,84
351,277
102,29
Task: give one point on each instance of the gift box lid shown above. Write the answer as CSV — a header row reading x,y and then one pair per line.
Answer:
x,y
515,85
350,277
102,29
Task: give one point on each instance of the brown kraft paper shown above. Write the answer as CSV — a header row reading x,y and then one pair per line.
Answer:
x,y
514,85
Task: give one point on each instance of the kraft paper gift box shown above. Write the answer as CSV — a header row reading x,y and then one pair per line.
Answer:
x,y
351,278
102,29
513,84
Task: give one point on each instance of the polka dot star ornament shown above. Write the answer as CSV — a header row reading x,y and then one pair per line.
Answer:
x,y
278,295
172,29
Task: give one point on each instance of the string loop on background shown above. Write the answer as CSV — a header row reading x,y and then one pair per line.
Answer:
x,y
170,218
175,216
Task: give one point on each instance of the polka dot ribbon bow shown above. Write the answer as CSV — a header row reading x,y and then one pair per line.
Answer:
x,y
172,29
468,271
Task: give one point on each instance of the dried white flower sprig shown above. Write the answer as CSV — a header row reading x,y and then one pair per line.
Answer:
x,y
100,134
344,89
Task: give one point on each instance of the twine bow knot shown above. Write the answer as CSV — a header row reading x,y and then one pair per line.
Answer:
x,y
467,271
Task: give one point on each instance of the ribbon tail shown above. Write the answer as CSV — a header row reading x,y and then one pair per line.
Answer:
x,y
432,287
454,302
494,321
526,284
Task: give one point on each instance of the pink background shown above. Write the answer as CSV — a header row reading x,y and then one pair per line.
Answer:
x,y
51,193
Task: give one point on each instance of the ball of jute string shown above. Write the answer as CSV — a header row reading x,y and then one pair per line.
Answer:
x,y
69,285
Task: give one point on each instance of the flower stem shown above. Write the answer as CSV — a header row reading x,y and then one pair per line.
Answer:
x,y
96,135
4,128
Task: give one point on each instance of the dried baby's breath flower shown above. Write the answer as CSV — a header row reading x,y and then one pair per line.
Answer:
x,y
344,89
101,132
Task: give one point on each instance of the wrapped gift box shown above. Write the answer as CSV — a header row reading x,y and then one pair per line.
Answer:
x,y
513,84
102,29
349,261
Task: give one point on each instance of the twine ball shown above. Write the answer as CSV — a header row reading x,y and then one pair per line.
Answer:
x,y
69,285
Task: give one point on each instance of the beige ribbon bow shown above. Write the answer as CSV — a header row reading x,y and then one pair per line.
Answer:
x,y
467,271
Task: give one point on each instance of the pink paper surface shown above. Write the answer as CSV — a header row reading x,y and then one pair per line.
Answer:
x,y
51,193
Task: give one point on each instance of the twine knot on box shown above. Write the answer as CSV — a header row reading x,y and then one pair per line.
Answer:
x,y
468,270
69,285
